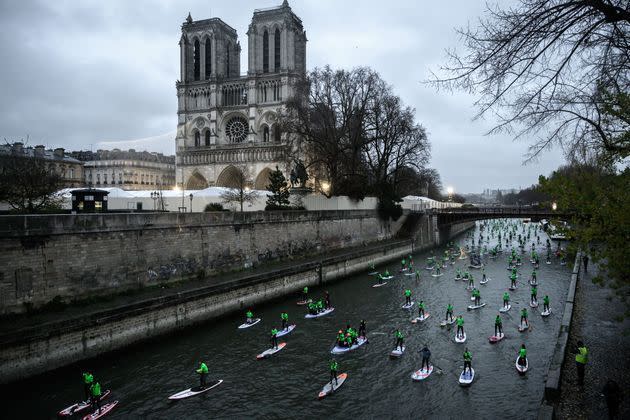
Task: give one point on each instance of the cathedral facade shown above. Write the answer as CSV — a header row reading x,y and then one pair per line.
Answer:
x,y
227,122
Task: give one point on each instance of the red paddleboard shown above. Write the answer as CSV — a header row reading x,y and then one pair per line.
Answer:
x,y
329,389
496,338
271,351
104,410
80,406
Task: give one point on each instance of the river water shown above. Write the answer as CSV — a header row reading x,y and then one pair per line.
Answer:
x,y
286,385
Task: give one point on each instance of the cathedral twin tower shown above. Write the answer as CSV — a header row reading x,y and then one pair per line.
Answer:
x,y
227,122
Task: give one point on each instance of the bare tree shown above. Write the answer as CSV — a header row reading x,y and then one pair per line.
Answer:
x,y
241,191
28,184
551,69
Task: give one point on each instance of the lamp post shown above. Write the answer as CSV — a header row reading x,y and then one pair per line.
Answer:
x,y
191,197
450,192
155,195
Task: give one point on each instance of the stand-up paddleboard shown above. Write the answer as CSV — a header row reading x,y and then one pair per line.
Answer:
x,y
331,387
304,302
388,277
104,410
408,305
547,262
437,275
271,351
340,350
322,313
373,273
505,308
523,327
282,333
496,338
467,377
484,281
546,313
475,266
422,374
420,318
80,406
380,284
190,392
410,273
458,278
481,305
533,283
460,339
521,368
533,304
249,324
513,287
444,322
402,270
472,298
397,352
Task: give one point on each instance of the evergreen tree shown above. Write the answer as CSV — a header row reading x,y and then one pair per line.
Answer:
x,y
279,198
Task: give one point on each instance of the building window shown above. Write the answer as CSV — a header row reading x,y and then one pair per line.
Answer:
x,y
265,134
207,138
196,58
276,50
276,133
236,130
197,139
208,57
71,173
266,52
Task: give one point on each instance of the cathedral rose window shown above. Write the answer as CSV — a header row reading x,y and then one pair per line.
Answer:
x,y
236,130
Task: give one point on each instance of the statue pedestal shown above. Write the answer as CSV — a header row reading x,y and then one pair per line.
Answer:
x,y
297,194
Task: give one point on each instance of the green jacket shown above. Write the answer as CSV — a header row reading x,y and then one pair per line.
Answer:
x,y
498,321
534,291
449,308
202,368
284,316
524,312
398,334
95,389
407,293
506,296
333,365
582,355
467,356
88,378
522,353
460,322
546,300
249,314
421,305
274,332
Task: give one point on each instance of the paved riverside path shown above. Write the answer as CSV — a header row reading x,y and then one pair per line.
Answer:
x,y
608,343
12,324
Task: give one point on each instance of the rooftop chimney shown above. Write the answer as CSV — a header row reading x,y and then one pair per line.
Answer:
x,y
39,150
59,153
17,147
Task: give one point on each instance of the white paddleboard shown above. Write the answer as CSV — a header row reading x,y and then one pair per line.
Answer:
x,y
484,281
467,377
388,277
505,308
397,352
546,313
460,339
271,351
80,406
103,412
380,284
251,324
282,333
422,374
523,328
373,273
521,369
444,323
420,319
496,338
322,313
340,350
533,304
331,388
481,305
437,275
410,274
194,391
408,305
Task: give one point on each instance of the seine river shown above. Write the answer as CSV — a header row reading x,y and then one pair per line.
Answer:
x,y
286,385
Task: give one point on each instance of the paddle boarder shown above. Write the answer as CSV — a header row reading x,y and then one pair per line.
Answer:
x,y
498,326
421,309
274,338
426,356
399,339
285,320
327,299
524,317
88,379
203,372
449,313
362,329
333,372
506,299
407,297
95,391
477,295
250,316
305,294
522,354
460,326
467,361
534,294
546,303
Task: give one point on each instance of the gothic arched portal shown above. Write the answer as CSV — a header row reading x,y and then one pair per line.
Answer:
x,y
262,180
230,178
196,181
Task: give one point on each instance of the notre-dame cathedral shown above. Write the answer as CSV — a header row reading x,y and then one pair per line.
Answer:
x,y
227,121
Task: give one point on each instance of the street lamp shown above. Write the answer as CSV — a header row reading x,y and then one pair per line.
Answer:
x,y
191,197
554,206
154,195
325,187
450,191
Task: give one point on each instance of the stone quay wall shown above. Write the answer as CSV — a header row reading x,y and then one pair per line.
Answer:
x,y
46,257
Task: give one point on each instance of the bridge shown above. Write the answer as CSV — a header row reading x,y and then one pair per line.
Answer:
x,y
447,216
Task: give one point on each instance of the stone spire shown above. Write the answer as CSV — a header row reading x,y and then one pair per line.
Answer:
x,y
285,3
189,18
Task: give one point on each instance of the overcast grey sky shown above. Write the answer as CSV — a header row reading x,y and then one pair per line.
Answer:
x,y
101,74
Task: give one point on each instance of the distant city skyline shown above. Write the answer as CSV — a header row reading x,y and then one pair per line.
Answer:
x,y
104,76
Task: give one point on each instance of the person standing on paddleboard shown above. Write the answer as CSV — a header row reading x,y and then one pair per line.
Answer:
x,y
534,298
250,316
274,338
327,299
305,294
477,295
407,297
426,356
506,299
546,303
333,372
460,326
203,372
524,317
399,339
467,361
449,313
285,320
88,379
362,329
498,326
95,391
522,354
421,309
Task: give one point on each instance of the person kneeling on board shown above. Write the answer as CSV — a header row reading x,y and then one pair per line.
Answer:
x,y
341,339
203,372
